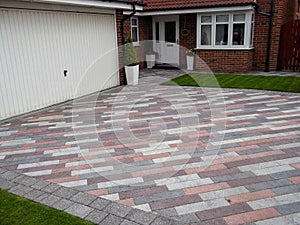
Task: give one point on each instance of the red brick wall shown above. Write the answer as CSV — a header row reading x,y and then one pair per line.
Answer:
x,y
229,60
145,33
284,11
119,16
226,61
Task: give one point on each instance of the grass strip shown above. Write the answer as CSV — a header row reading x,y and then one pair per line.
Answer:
x,y
15,210
271,83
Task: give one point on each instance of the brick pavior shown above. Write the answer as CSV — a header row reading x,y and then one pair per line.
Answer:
x,y
158,148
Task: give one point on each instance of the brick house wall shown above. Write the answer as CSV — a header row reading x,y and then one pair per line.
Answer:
x,y
227,60
284,11
145,33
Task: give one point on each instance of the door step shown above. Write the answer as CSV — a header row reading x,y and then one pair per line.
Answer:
x,y
165,66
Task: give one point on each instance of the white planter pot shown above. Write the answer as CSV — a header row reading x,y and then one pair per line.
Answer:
x,y
190,62
150,59
132,74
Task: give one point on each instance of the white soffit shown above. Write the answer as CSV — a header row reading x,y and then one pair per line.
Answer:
x,y
189,11
89,3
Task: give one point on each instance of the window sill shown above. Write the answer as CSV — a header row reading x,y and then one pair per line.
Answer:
x,y
225,48
136,44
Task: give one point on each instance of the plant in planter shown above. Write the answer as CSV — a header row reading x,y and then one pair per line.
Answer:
x,y
190,59
150,58
131,63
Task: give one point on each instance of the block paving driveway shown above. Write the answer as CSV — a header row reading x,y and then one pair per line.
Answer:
x,y
201,156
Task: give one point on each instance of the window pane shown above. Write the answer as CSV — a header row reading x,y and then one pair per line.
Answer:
x,y
222,34
239,17
222,18
238,34
134,22
134,34
170,32
206,35
157,31
205,19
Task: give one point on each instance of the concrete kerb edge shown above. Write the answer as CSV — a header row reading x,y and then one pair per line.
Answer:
x,y
43,194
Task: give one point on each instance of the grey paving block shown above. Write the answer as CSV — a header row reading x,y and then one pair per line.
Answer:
x,y
235,176
139,216
157,197
5,184
122,188
187,218
117,209
268,185
34,194
79,210
65,192
286,174
40,185
50,188
40,198
288,208
84,188
25,180
100,203
96,216
111,220
128,222
2,170
83,198
163,221
62,204
50,200
10,175
167,212
287,189
20,190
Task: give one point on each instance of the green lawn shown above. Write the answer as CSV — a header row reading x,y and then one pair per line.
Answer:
x,y
17,210
273,83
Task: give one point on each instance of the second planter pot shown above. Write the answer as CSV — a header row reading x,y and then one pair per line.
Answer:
x,y
190,62
150,59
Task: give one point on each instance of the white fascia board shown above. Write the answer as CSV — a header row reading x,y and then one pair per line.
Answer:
x,y
189,11
90,3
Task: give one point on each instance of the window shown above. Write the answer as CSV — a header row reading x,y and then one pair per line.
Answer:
x,y
135,30
225,30
206,29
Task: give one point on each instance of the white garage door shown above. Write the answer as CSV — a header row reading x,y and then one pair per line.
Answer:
x,y
36,48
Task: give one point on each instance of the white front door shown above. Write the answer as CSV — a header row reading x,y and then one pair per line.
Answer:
x,y
166,35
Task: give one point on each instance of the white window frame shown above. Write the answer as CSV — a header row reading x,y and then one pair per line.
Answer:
x,y
137,28
229,46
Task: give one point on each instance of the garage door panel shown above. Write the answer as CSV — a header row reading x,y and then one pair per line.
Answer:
x,y
36,47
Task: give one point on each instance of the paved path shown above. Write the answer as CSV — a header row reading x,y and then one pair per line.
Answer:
x,y
200,156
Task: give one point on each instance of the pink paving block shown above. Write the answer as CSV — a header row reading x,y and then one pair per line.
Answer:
x,y
296,165
206,188
252,216
128,202
209,168
242,148
250,196
64,179
295,180
152,171
98,192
